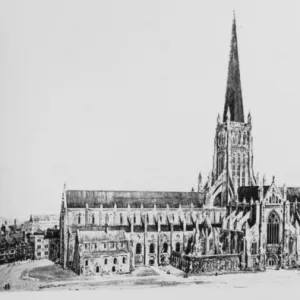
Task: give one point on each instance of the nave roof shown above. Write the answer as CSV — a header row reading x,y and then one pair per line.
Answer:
x,y
79,199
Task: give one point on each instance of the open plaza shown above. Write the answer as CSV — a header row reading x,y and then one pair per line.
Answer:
x,y
44,275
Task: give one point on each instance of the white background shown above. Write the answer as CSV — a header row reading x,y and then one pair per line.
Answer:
x,y
124,95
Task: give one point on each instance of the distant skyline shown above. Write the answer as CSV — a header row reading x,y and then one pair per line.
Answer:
x,y
124,95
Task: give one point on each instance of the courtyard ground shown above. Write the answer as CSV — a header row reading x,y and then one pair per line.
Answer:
x,y
43,275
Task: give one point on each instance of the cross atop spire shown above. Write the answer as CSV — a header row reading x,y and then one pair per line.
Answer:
x,y
234,99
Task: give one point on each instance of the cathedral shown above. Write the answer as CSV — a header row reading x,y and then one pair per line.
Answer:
x,y
232,222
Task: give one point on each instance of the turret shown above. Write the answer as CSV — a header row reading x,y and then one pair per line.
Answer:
x,y
249,118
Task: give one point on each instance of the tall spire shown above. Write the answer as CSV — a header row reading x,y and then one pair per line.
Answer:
x,y
234,100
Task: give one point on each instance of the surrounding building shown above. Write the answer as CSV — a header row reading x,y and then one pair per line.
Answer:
x,y
41,222
15,247
46,244
52,235
41,245
233,221
101,252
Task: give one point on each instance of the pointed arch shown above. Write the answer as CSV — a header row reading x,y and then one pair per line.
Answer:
x,y
244,138
240,137
233,164
93,218
254,247
234,137
107,219
219,139
273,223
138,248
152,248
177,247
223,137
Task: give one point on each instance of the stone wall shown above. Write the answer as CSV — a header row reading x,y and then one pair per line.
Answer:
x,y
206,263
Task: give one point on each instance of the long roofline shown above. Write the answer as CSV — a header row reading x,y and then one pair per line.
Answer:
x,y
130,191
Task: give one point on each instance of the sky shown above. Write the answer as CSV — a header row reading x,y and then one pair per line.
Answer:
x,y
124,95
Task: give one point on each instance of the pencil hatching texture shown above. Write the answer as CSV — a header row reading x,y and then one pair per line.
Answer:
x,y
233,221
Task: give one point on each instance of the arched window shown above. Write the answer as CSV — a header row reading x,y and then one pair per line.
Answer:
x,y
244,138
240,138
220,139
254,248
291,245
244,170
273,228
234,136
121,219
113,269
86,262
93,219
223,137
177,247
97,269
165,248
211,244
134,219
152,248
147,219
107,219
124,260
79,218
138,249
105,261
220,163
233,164
115,261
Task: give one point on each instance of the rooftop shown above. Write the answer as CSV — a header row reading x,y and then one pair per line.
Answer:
x,y
93,236
79,199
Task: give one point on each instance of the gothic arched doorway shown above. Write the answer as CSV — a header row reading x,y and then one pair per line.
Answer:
x,y
272,261
273,228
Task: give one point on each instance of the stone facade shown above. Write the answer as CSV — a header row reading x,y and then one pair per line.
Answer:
x,y
15,247
101,252
41,245
40,222
233,222
153,232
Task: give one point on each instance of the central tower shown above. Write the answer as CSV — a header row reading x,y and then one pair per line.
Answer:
x,y
233,151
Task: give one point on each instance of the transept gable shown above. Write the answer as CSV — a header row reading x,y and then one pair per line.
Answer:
x,y
273,195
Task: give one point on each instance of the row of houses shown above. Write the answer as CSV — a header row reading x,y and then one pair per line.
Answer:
x,y
15,247
37,238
